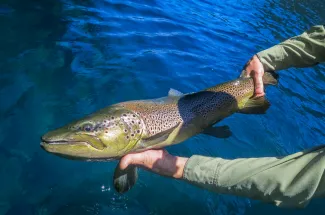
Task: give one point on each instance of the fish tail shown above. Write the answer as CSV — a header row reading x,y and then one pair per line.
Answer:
x,y
261,104
270,78
257,105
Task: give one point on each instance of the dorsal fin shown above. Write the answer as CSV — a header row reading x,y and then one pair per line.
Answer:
x,y
173,92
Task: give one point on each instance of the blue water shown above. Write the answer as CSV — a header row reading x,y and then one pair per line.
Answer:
x,y
61,60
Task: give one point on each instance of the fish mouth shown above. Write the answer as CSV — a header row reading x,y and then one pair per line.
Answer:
x,y
96,145
45,145
61,142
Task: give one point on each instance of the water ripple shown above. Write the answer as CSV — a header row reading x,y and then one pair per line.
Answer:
x,y
64,59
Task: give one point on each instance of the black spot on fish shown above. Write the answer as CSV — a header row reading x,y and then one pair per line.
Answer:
x,y
127,137
138,131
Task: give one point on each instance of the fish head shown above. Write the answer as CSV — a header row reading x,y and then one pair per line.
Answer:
x,y
106,134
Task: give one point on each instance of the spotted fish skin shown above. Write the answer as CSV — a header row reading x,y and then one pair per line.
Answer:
x,y
134,126
193,112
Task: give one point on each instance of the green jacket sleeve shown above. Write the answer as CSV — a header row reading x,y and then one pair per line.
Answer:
x,y
290,181
304,50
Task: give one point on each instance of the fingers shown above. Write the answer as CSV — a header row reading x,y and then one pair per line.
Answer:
x,y
255,69
158,161
144,159
258,82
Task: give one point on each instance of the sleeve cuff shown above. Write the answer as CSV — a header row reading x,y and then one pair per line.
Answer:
x,y
271,58
198,170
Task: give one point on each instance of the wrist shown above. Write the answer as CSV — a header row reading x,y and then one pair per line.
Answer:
x,y
180,165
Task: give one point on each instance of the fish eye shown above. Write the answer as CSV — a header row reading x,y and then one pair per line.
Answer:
x,y
87,127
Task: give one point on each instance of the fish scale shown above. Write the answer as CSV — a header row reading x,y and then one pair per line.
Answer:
x,y
156,117
161,116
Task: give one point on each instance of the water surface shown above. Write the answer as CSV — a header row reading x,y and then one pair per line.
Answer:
x,y
61,60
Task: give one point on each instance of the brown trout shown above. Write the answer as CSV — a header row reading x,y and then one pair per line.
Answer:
x,y
138,125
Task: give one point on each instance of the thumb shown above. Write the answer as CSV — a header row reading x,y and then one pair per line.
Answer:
x,y
130,159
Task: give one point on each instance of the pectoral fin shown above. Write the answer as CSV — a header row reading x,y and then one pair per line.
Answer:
x,y
257,105
163,138
218,132
124,180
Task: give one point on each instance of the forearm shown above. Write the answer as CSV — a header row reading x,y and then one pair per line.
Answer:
x,y
306,49
291,181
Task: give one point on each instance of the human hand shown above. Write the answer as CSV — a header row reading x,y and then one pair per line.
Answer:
x,y
254,68
157,161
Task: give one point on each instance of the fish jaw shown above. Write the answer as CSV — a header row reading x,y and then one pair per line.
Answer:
x,y
77,147
72,150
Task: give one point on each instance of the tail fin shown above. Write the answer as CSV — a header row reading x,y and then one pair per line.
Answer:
x,y
270,78
260,105
257,105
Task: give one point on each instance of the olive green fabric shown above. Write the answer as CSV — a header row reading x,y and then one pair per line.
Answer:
x,y
290,181
304,50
